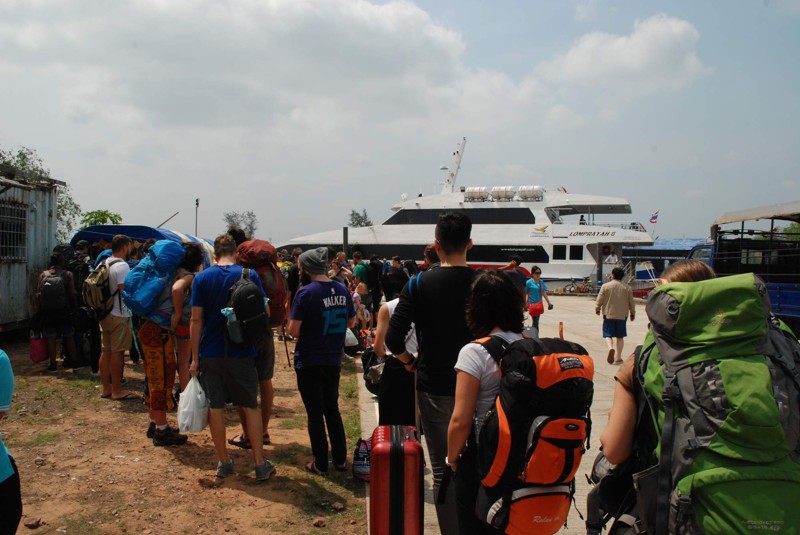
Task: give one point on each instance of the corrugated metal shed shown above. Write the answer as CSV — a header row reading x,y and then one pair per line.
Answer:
x,y
28,220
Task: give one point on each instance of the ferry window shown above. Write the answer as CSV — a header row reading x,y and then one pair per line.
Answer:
x,y
478,216
559,252
576,252
13,231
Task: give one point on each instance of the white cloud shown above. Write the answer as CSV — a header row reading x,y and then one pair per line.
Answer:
x,y
658,55
561,118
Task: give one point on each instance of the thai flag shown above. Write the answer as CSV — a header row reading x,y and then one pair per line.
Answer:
x,y
654,217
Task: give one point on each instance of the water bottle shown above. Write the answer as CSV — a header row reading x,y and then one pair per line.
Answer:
x,y
235,328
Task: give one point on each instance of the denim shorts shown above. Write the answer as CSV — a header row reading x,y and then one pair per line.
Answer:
x,y
614,329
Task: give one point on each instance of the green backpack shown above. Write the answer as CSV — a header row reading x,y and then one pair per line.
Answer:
x,y
720,382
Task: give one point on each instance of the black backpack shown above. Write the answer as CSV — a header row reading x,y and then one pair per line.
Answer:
x,y
53,292
247,301
80,270
374,272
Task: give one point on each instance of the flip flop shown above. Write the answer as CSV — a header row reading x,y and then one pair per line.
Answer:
x,y
312,467
105,396
128,396
240,441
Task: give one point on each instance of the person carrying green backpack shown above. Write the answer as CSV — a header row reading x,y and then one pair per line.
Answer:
x,y
706,420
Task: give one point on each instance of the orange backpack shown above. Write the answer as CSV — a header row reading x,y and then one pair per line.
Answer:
x,y
532,441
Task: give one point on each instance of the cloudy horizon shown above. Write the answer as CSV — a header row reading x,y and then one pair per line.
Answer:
x,y
303,110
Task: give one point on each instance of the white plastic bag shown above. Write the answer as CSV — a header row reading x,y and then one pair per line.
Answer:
x,y
350,339
193,408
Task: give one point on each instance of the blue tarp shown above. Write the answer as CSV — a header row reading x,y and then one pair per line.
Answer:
x,y
141,233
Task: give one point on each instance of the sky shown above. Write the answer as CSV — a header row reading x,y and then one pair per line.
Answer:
x,y
302,110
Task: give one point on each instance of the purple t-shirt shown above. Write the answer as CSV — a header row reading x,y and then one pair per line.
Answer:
x,y
324,308
210,291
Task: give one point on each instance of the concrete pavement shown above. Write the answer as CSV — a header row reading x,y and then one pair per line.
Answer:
x,y
580,325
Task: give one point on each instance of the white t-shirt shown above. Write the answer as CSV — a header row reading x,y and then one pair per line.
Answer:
x,y
116,276
476,361
411,338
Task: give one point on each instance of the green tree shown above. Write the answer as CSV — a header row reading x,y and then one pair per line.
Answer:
x,y
100,217
29,168
791,231
247,221
359,220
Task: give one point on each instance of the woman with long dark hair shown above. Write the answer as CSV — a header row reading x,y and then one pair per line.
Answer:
x,y
494,309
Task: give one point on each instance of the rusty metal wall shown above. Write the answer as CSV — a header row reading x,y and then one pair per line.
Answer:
x,y
20,268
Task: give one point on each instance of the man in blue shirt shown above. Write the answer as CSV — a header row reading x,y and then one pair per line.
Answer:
x,y
321,313
228,369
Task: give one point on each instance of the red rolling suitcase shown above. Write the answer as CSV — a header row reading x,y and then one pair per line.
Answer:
x,y
395,490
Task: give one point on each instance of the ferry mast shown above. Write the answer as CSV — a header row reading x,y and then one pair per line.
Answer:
x,y
452,171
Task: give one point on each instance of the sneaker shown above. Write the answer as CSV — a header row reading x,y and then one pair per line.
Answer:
x,y
264,470
225,469
151,430
168,437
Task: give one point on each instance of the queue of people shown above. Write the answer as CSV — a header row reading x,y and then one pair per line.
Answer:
x,y
428,326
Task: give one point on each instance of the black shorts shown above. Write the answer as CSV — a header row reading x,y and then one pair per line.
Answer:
x,y
230,378
265,362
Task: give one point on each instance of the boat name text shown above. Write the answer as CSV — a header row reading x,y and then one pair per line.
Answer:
x,y
593,233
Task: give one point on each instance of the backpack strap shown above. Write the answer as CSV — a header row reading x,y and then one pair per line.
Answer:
x,y
495,346
671,394
413,282
110,262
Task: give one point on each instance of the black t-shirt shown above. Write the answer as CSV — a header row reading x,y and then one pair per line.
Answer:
x,y
435,301
517,277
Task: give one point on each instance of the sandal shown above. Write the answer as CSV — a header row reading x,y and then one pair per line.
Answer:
x,y
266,439
240,441
311,466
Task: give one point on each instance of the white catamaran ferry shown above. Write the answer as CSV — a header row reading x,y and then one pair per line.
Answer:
x,y
565,234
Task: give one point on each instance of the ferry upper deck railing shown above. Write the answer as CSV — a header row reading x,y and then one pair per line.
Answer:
x,y
611,224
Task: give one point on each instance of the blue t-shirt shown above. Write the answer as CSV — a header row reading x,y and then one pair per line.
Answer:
x,y
324,308
6,390
532,289
210,291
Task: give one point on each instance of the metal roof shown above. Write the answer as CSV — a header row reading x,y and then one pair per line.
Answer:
x,y
789,211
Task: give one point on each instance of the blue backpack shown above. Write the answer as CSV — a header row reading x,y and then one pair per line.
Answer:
x,y
146,285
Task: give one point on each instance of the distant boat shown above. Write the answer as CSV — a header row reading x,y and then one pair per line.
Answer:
x,y
563,233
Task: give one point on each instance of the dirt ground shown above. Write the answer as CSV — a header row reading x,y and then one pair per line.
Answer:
x,y
87,467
